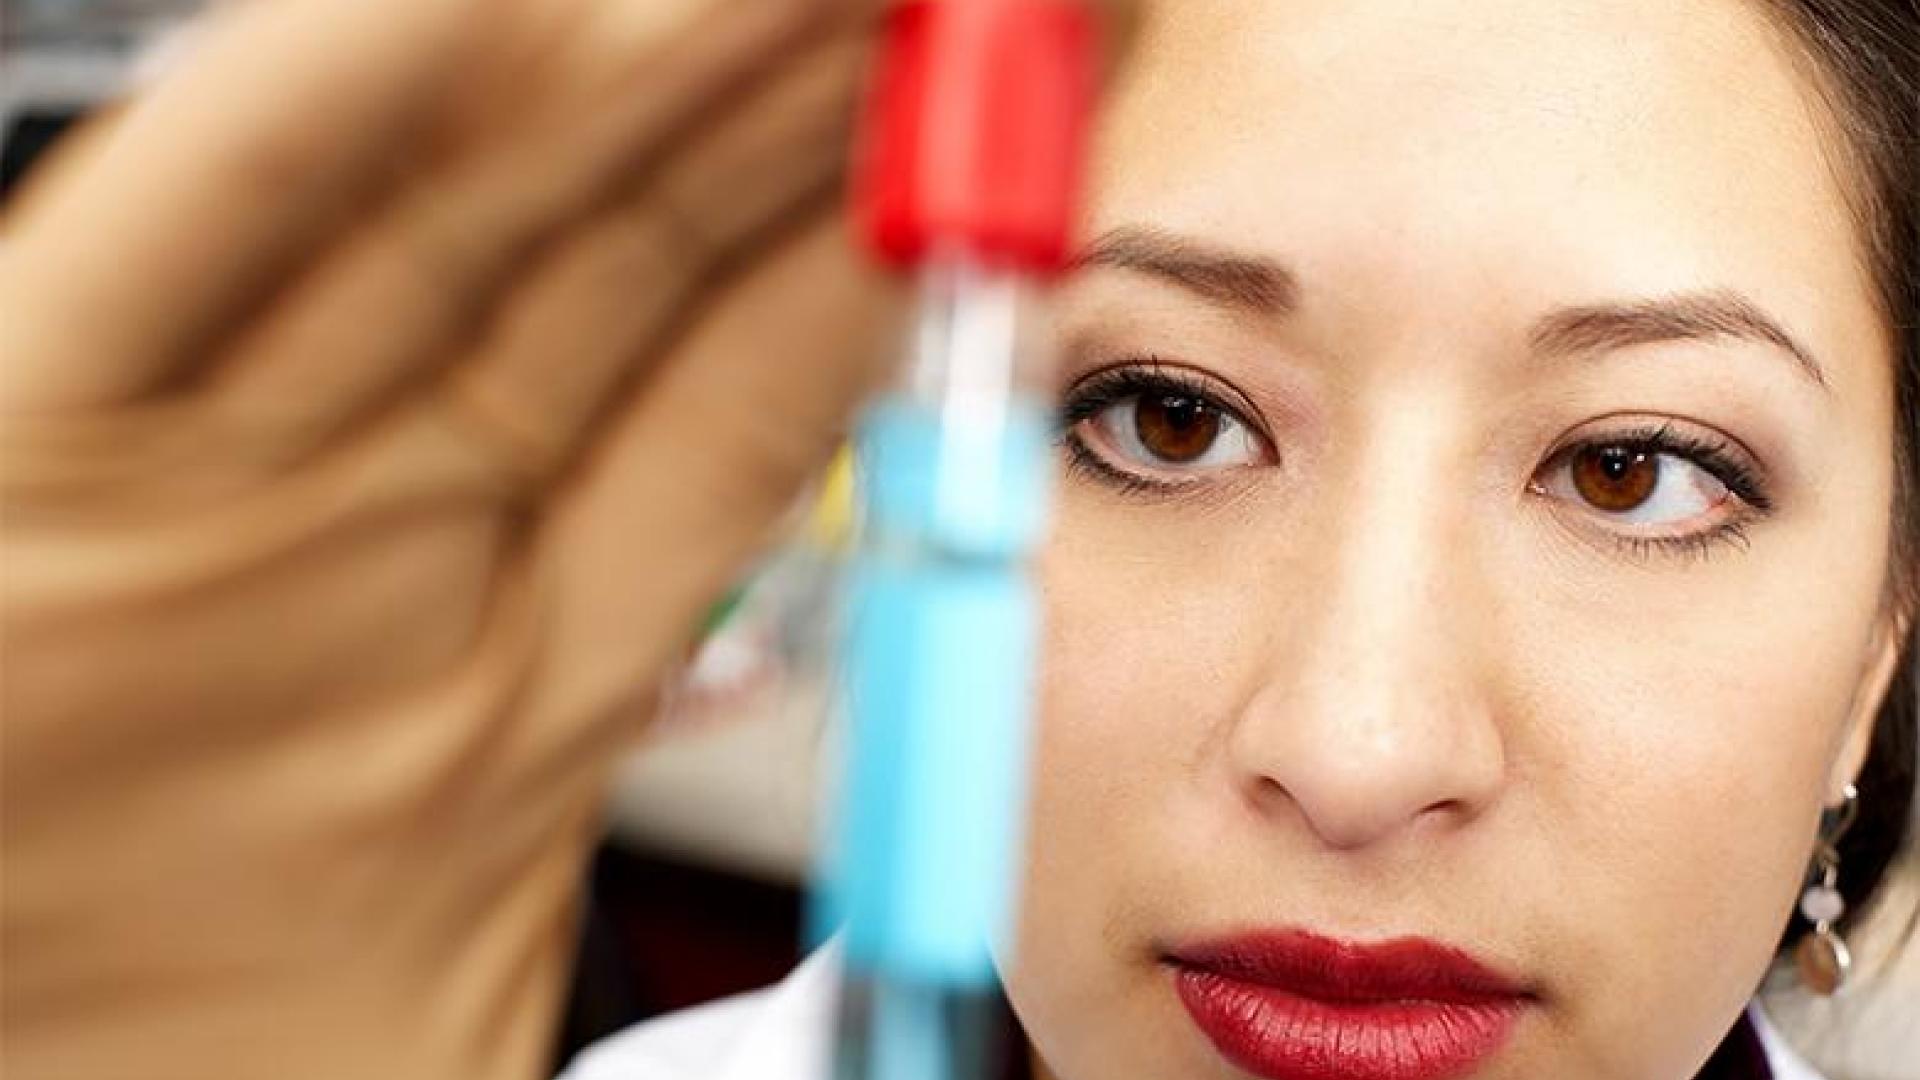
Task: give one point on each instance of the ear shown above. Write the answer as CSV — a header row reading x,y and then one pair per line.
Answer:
x,y
1883,658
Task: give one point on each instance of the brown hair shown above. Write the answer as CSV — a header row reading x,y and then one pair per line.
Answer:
x,y
1866,58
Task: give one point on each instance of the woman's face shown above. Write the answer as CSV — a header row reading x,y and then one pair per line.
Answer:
x,y
1475,533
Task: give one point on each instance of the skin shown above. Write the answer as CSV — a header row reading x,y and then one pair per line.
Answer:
x,y
1413,686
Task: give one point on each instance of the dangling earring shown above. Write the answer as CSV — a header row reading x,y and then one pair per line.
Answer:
x,y
1822,956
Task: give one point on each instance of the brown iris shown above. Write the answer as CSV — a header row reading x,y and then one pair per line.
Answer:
x,y
1176,428
1615,479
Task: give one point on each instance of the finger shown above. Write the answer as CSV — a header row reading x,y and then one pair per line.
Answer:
x,y
697,468
685,483
207,190
415,288
579,329
590,319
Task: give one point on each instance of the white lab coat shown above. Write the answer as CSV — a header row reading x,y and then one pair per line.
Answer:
x,y
780,1033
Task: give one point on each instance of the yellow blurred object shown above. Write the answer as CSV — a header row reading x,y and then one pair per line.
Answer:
x,y
830,522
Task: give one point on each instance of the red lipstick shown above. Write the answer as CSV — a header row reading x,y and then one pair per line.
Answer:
x,y
1297,1006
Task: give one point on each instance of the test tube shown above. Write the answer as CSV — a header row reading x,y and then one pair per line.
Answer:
x,y
970,169
941,644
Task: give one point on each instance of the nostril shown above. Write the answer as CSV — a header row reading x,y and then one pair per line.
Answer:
x,y
1447,811
1267,791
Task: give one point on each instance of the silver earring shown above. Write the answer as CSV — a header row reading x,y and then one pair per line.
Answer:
x,y
1822,956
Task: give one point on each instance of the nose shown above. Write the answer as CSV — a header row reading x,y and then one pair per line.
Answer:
x,y
1377,711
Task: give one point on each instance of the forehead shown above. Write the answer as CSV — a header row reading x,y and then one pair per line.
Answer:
x,y
1567,149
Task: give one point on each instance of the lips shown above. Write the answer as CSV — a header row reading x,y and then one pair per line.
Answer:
x,y
1297,1006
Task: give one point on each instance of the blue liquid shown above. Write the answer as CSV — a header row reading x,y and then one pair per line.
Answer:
x,y
923,867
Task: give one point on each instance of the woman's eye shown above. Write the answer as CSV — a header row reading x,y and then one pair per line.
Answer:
x,y
1635,485
1175,432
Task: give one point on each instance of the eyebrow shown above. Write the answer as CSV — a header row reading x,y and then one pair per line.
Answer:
x,y
1694,316
1248,282
1264,286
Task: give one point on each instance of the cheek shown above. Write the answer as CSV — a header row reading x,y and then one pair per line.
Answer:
x,y
1145,654
1133,655
1669,753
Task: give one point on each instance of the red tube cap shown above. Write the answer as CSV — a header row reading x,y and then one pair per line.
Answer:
x,y
974,138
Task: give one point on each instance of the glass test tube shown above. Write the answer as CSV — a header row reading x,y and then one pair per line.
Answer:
x,y
942,643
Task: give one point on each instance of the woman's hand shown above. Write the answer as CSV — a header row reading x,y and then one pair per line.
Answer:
x,y
385,396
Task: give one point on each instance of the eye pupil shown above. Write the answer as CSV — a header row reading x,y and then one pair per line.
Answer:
x,y
1615,479
1176,428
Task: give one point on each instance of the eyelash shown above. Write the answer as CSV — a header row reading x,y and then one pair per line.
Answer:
x,y
1718,456
1100,391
